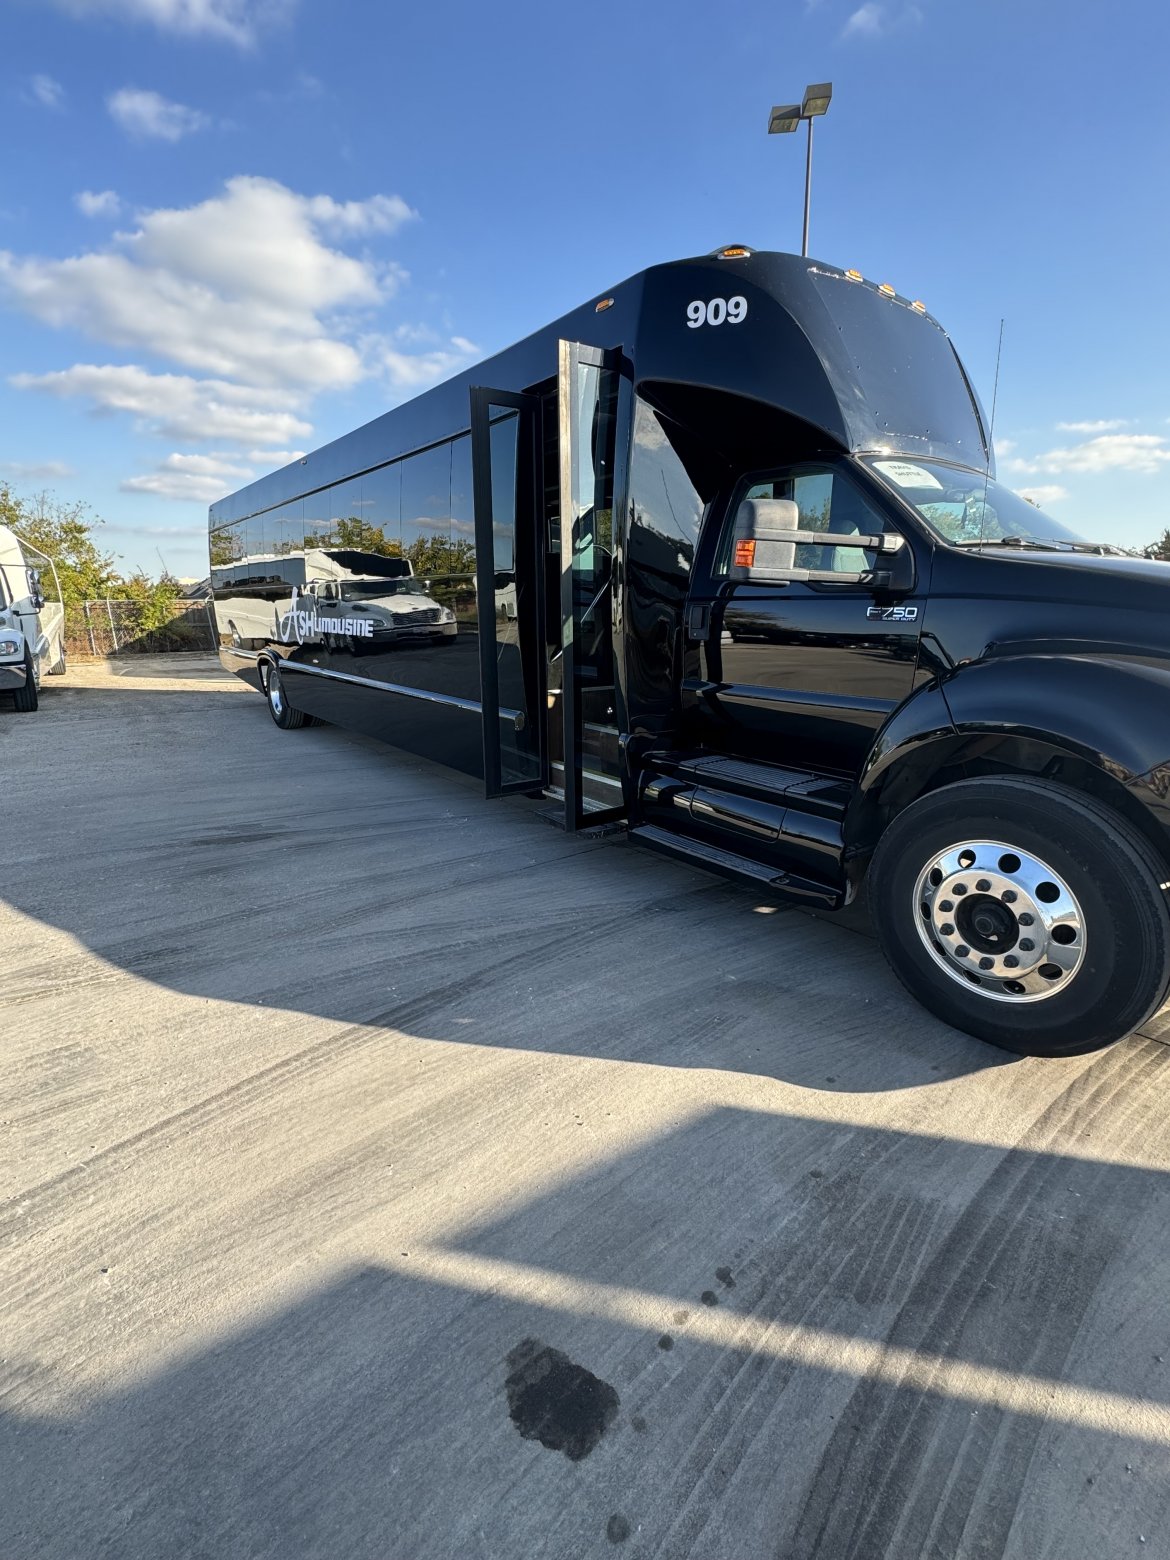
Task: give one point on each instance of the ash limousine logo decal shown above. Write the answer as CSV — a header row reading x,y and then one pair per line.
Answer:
x,y
297,624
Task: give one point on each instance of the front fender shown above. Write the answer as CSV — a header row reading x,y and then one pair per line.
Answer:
x,y
1099,724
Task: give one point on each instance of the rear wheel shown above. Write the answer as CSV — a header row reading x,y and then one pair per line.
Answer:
x,y
1024,913
279,708
27,699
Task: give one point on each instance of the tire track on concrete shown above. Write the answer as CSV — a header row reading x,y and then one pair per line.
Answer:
x,y
909,1440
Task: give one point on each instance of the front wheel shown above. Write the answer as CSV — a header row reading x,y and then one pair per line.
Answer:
x,y
1024,913
27,699
279,708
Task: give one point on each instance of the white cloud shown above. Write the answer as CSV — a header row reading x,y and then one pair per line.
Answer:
x,y
46,91
150,116
1102,425
1045,493
415,370
191,478
1004,446
1141,453
178,406
97,203
235,21
34,471
867,21
874,21
273,460
238,286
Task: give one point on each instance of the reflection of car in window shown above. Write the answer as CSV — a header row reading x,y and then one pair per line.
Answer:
x,y
398,610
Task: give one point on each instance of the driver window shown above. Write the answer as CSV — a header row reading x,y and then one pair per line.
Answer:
x,y
827,502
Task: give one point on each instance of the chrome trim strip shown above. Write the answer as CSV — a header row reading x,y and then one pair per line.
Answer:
x,y
469,706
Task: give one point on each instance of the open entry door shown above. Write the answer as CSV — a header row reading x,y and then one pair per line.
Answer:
x,y
508,608
592,401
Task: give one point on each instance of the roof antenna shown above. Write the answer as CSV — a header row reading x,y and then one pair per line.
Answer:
x,y
990,436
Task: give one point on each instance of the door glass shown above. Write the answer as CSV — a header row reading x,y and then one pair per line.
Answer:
x,y
588,402
506,596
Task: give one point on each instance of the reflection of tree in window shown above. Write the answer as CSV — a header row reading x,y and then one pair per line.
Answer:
x,y
226,547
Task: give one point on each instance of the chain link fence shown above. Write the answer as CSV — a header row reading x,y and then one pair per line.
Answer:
x,y
111,627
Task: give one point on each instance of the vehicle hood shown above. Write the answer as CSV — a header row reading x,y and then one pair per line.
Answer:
x,y
1008,602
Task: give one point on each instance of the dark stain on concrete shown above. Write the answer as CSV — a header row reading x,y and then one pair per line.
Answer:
x,y
617,1529
563,1406
709,1297
723,1274
666,1342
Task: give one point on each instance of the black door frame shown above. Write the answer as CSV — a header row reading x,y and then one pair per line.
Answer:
x,y
571,357
531,637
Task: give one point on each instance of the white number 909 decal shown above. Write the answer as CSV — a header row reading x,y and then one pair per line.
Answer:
x,y
733,310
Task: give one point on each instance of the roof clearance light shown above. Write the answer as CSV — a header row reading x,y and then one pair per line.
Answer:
x,y
854,276
734,252
745,554
888,290
918,306
602,304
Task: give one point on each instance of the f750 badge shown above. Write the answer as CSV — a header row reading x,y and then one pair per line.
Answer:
x,y
892,614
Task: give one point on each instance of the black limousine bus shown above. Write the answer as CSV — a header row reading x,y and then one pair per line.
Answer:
x,y
721,554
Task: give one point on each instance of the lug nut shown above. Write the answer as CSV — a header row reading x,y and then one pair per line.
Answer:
x,y
1026,919
961,952
986,964
960,888
946,907
983,885
947,930
1011,961
1008,896
1026,945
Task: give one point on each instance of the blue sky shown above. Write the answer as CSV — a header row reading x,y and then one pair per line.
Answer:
x,y
233,229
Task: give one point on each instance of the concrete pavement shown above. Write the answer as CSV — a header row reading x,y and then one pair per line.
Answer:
x,y
384,1173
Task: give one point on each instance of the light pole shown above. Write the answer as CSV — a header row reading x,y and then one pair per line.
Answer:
x,y
785,119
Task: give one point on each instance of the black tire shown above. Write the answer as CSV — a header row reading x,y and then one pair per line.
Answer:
x,y
1111,873
27,699
279,708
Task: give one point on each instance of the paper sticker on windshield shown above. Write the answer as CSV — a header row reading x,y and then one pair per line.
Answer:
x,y
906,474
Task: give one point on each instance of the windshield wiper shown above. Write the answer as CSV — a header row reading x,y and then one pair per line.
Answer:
x,y
1030,542
1054,544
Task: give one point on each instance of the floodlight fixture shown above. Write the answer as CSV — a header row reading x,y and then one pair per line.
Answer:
x,y
816,99
782,120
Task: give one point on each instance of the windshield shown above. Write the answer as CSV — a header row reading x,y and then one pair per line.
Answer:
x,y
963,507
375,590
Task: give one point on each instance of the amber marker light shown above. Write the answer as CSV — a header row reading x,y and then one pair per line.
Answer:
x,y
745,555
918,306
735,252
887,290
854,276
602,305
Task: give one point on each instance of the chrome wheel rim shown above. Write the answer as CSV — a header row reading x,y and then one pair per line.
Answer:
x,y
999,920
275,695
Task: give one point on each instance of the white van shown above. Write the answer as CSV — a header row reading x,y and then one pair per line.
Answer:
x,y
32,620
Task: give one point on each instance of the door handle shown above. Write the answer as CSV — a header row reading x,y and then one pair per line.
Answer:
x,y
699,620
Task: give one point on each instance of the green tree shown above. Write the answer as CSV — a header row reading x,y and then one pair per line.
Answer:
x,y
151,602
1159,549
65,533
431,555
361,535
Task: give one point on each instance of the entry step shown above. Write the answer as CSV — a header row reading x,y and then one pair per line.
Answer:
x,y
699,853
824,795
